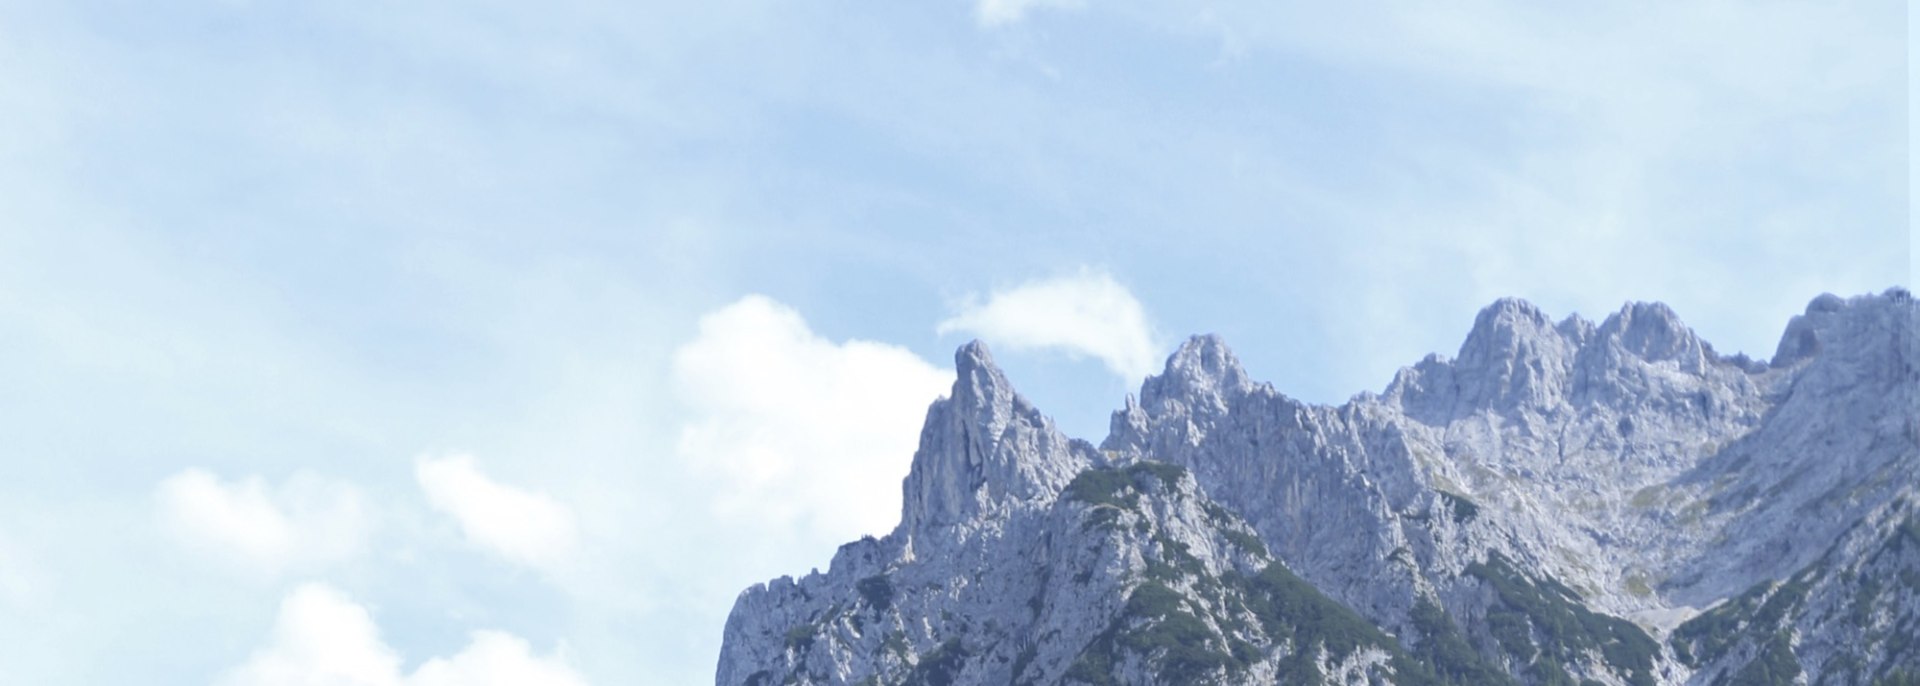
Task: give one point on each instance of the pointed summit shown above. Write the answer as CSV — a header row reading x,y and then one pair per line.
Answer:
x,y
1203,372
1508,328
1206,356
1654,333
1514,356
979,384
983,450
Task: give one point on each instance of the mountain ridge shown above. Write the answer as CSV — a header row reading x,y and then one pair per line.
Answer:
x,y
1513,503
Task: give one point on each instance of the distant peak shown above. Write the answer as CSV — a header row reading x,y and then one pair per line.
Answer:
x,y
1511,309
1205,354
1202,368
1808,333
1644,316
1505,319
979,381
973,355
983,448
1501,330
1512,306
1655,333
1649,310
1826,302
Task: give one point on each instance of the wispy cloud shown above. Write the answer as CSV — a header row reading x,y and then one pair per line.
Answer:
x,y
1085,313
321,636
307,520
801,430
523,526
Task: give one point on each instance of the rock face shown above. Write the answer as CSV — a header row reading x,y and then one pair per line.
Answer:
x,y
1557,504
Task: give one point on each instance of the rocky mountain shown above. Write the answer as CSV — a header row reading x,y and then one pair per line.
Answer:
x,y
1561,503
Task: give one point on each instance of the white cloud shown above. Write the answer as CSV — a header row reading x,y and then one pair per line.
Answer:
x,y
495,658
1087,313
800,429
523,526
308,520
322,638
1003,12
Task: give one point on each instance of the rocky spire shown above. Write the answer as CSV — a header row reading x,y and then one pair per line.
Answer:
x,y
1202,373
1514,355
1654,333
983,450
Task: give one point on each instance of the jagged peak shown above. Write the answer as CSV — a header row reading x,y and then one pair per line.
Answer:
x,y
1206,356
1503,329
983,447
1654,332
980,385
974,357
1644,315
1577,328
1512,309
1203,368
1805,334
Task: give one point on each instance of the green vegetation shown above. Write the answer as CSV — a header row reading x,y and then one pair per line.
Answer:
x,y
896,644
1021,661
1526,606
876,591
1287,605
1898,677
940,667
1638,586
1168,474
1443,648
1245,541
1102,517
1462,509
1774,666
1907,534
1758,616
1865,594
1222,625
800,638
1109,485
1706,637
1102,487
1158,623
1177,554
1901,646
1188,647
1094,665
1216,513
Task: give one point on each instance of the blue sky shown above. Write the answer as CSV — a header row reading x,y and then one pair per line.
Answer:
x,y
433,340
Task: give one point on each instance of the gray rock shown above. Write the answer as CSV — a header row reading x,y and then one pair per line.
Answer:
x,y
1556,502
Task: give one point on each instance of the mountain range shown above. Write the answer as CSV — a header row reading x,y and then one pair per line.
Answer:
x,y
1568,502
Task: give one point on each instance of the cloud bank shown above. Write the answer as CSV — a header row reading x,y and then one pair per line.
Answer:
x,y
307,521
323,638
798,429
521,526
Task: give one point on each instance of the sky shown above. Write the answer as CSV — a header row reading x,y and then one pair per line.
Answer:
x,y
436,343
